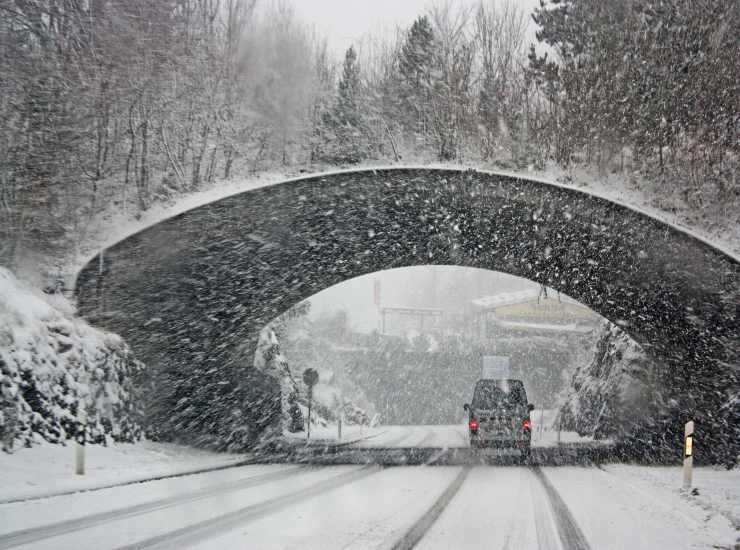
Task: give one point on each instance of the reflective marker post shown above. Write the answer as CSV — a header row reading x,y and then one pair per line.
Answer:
x,y
688,454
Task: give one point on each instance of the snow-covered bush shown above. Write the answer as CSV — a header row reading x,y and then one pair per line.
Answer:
x,y
269,360
329,396
51,365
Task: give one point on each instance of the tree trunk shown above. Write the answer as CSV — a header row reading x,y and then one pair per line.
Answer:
x,y
229,156
198,158
132,148
144,177
211,166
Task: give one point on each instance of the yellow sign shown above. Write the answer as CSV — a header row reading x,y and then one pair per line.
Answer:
x,y
689,445
544,311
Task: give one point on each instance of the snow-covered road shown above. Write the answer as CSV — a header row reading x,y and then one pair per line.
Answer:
x,y
337,507
441,436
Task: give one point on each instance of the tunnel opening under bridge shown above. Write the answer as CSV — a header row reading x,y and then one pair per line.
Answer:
x,y
405,347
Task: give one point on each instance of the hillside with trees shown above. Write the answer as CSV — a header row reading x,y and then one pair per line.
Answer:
x,y
114,106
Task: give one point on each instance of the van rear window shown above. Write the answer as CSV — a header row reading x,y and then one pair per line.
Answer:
x,y
495,394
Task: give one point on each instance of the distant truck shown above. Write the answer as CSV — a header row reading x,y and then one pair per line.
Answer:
x,y
498,416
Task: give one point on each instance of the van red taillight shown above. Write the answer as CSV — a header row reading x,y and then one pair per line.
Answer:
x,y
473,424
527,424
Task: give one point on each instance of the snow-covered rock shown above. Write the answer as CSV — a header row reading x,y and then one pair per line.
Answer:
x,y
614,392
53,366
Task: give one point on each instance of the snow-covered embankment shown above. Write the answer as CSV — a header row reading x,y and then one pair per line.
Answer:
x,y
52,366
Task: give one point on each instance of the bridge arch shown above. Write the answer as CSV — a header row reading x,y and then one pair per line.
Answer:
x,y
196,288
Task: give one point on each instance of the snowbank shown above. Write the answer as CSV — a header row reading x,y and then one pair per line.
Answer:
x,y
50,469
716,490
52,365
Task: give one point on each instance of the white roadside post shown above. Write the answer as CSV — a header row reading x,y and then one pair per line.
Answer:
x,y
80,443
688,454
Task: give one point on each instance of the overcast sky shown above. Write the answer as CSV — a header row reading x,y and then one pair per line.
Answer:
x,y
346,22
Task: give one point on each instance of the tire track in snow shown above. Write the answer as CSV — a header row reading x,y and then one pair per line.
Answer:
x,y
544,522
34,534
422,525
205,529
571,536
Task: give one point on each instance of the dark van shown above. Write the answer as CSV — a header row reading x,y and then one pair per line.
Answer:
x,y
498,416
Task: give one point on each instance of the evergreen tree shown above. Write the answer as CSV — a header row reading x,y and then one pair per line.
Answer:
x,y
349,136
348,109
415,68
654,75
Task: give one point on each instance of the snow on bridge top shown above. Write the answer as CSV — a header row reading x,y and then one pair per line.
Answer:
x,y
114,228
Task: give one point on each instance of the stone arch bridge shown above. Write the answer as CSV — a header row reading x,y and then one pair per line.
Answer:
x,y
191,293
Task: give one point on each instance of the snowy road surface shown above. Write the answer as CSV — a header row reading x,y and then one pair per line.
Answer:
x,y
446,435
337,507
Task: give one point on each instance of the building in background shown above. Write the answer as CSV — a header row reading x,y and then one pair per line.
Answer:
x,y
545,334
531,312
404,321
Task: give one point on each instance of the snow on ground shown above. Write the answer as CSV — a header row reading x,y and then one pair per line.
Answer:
x,y
371,513
495,505
32,514
133,529
546,434
330,433
718,490
446,436
302,507
49,469
642,513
